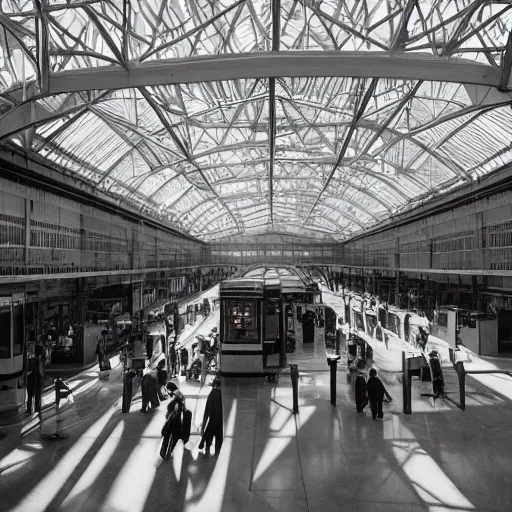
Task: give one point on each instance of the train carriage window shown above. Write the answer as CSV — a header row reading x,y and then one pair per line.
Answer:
x,y
18,330
358,317
442,320
241,324
5,333
371,321
394,324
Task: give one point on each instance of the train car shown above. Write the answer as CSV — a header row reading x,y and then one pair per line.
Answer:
x,y
241,326
256,318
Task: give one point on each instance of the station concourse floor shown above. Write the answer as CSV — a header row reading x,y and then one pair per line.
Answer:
x,y
324,459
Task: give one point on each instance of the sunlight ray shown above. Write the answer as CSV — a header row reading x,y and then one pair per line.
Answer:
x,y
213,497
93,471
276,444
45,491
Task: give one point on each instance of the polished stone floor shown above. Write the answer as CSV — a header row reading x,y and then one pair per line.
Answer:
x,y
324,459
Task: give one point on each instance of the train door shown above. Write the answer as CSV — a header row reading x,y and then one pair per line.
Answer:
x,y
505,331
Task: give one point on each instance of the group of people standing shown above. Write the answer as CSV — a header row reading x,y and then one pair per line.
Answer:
x,y
179,419
372,391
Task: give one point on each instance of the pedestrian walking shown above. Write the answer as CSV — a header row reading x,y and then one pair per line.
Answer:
x,y
212,426
177,424
375,394
361,392
437,377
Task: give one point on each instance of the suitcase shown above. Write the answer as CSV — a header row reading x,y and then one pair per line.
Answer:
x,y
187,425
165,451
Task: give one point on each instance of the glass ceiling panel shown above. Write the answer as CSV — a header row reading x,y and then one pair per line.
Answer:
x,y
324,156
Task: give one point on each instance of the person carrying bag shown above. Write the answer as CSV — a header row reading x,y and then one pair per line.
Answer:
x,y
177,426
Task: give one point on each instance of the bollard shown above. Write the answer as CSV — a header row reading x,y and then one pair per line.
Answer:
x,y
332,361
406,385
461,373
61,391
127,391
294,374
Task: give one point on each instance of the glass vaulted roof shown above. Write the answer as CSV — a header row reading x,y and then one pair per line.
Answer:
x,y
311,117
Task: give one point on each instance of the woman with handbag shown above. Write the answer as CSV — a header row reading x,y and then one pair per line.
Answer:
x,y
177,424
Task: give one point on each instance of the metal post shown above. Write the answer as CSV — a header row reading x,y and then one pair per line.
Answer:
x,y
405,382
57,404
409,391
282,333
294,374
333,363
461,374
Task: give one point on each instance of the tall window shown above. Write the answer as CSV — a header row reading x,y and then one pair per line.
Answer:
x,y
241,322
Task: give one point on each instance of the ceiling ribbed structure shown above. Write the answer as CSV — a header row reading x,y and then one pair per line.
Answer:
x,y
320,118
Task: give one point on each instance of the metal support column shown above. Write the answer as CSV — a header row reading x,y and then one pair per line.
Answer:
x,y
294,374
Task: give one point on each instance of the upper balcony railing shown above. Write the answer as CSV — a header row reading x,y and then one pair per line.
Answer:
x,y
486,249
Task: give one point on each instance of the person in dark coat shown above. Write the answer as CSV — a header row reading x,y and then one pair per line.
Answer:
x,y
375,394
213,420
149,388
172,431
361,392
437,377
35,381
308,326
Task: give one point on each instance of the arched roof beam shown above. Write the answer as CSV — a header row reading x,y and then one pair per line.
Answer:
x,y
359,109
31,114
197,205
152,103
177,200
275,8
452,134
207,221
310,193
367,124
363,190
298,64
400,36
350,218
506,66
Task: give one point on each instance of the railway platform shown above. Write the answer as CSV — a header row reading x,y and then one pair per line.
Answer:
x,y
322,459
